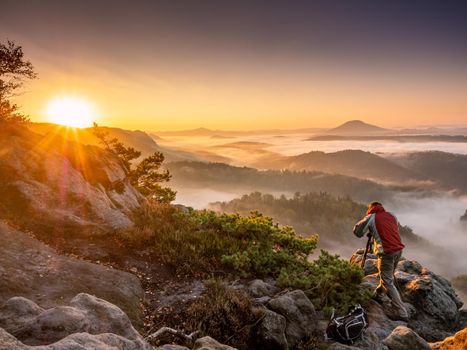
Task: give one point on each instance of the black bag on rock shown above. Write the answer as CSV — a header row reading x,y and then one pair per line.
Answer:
x,y
347,328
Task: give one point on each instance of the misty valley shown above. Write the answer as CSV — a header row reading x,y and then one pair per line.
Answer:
x,y
233,175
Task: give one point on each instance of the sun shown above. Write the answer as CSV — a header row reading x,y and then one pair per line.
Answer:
x,y
70,111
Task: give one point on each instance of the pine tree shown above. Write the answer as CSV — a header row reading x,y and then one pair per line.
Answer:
x,y
14,69
146,177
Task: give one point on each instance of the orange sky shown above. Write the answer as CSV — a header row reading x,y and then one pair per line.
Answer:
x,y
183,74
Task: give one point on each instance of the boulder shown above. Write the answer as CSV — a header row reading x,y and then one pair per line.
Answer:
x,y
31,269
339,346
371,266
105,341
370,282
17,312
403,338
87,314
104,317
77,341
258,289
379,323
357,257
172,347
370,341
457,341
9,342
271,332
208,343
299,313
52,325
434,299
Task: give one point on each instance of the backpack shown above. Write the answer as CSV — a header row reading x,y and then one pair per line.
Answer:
x,y
347,328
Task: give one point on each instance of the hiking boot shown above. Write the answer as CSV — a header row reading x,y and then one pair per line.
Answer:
x,y
395,314
397,317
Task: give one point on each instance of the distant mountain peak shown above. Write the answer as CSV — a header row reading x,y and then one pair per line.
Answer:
x,y
357,127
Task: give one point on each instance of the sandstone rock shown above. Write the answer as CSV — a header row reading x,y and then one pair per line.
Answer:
x,y
87,314
31,269
339,346
208,343
371,266
104,317
77,341
260,301
379,322
403,338
457,341
436,303
271,332
52,325
55,185
105,341
299,313
357,257
370,341
18,311
432,303
9,342
370,282
258,288
172,347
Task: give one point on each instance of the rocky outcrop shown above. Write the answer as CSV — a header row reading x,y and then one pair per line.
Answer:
x,y
87,323
31,269
299,314
435,301
259,289
287,319
433,304
271,331
208,343
52,184
402,338
172,347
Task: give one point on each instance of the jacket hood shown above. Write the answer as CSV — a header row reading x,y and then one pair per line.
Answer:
x,y
378,208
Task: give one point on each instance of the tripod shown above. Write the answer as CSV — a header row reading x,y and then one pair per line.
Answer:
x,y
368,245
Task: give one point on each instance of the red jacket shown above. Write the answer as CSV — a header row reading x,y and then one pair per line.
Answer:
x,y
383,226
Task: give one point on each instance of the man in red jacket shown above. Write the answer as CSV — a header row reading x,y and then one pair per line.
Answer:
x,y
384,230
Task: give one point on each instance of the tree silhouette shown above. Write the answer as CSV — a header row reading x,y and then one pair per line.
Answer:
x,y
147,176
14,70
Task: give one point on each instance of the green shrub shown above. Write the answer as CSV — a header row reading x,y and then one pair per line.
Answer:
x,y
205,243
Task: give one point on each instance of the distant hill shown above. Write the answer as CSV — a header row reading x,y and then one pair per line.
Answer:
x,y
361,164
137,139
204,132
421,138
447,169
357,127
452,131
134,138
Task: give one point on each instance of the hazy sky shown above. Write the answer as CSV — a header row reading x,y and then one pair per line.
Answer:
x,y
246,64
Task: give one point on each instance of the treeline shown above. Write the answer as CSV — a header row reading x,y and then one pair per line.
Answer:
x,y
227,177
